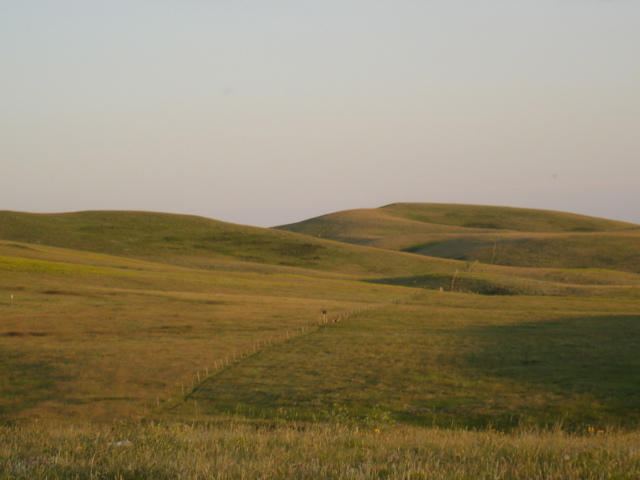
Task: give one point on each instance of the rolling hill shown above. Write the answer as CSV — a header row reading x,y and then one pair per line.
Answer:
x,y
492,235
373,245
148,315
199,242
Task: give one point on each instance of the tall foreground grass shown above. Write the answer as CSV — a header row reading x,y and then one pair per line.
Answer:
x,y
238,450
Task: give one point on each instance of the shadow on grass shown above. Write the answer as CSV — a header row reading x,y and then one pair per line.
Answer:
x,y
585,370
470,283
378,369
24,384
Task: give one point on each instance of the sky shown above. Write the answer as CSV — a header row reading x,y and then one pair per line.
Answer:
x,y
271,112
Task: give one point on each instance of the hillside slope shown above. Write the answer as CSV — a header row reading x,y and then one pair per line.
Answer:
x,y
495,235
202,243
503,218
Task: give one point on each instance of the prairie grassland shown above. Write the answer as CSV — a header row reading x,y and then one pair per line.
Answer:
x,y
125,340
492,235
547,282
612,251
276,450
403,219
608,250
213,361
449,360
506,218
114,339
198,242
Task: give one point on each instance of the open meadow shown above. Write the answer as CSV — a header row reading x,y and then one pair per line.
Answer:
x,y
139,345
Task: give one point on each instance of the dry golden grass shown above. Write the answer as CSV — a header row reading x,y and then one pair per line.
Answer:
x,y
99,337
276,450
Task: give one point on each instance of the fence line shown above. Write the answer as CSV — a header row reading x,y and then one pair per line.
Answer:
x,y
220,364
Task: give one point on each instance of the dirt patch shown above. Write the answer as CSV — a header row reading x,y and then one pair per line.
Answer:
x,y
57,291
23,334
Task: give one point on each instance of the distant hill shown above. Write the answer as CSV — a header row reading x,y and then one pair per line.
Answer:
x,y
503,218
495,235
199,242
376,245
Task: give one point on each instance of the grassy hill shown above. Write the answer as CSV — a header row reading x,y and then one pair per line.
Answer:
x,y
415,218
503,218
494,235
198,242
161,329
202,243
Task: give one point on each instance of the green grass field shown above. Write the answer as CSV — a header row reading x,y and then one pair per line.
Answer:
x,y
449,360
195,339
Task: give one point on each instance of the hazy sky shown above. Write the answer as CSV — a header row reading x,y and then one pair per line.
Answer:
x,y
270,112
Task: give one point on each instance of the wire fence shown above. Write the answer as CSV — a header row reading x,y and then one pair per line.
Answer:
x,y
187,390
